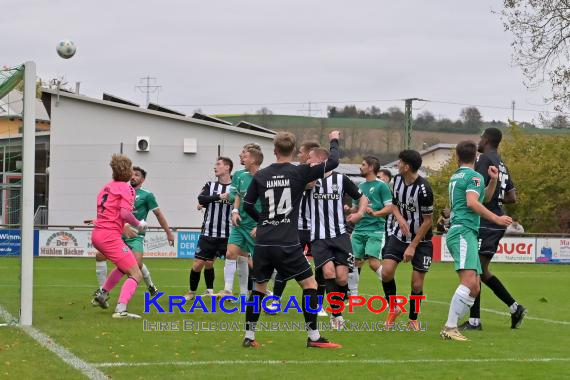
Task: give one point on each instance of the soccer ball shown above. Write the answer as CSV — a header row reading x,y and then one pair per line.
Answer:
x,y
66,49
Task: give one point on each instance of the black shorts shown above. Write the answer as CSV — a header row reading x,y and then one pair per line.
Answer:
x,y
290,262
210,248
489,241
305,239
394,250
337,250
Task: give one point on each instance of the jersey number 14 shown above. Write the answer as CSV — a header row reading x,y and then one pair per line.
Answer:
x,y
283,206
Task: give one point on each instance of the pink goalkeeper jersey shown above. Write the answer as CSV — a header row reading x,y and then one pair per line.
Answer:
x,y
112,197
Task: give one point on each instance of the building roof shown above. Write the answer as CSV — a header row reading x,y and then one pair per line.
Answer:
x,y
121,105
433,148
12,106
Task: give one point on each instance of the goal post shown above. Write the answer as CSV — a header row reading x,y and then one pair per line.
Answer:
x,y
27,214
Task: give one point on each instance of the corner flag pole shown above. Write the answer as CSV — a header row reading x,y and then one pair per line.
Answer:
x,y
29,159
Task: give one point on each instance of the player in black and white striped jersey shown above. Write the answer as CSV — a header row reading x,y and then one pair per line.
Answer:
x,y
330,243
304,227
213,242
409,230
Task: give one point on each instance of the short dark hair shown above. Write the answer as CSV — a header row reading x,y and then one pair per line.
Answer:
x,y
227,162
412,158
141,170
386,172
466,152
308,145
372,161
494,136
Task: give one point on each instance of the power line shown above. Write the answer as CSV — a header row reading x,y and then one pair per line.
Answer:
x,y
367,101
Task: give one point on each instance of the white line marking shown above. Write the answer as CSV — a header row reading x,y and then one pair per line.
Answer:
x,y
64,354
497,312
320,362
508,314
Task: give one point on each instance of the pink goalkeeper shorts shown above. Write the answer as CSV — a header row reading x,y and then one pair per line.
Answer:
x,y
114,248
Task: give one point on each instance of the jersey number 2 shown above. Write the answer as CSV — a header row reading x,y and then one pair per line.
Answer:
x,y
284,204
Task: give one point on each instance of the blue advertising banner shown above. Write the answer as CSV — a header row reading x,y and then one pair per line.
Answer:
x,y
10,242
187,243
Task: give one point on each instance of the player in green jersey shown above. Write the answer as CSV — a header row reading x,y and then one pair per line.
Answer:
x,y
368,235
145,202
242,234
466,194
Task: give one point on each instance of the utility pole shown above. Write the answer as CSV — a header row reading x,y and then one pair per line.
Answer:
x,y
309,110
513,106
148,87
408,121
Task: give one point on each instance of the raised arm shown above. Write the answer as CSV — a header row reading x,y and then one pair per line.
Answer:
x,y
318,171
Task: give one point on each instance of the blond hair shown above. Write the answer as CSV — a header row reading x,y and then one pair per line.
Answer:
x,y
122,167
284,143
256,154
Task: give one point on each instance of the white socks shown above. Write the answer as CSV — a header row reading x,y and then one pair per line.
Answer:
x,y
379,273
461,302
101,272
313,334
229,273
353,279
146,275
120,308
243,274
513,308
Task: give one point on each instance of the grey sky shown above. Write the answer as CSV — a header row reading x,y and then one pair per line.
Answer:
x,y
266,51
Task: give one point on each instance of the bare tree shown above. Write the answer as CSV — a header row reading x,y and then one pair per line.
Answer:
x,y
541,31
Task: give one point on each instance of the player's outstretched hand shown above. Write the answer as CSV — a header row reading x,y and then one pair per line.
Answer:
x,y
170,238
199,207
354,217
143,226
334,135
504,220
404,227
493,172
129,232
236,219
253,232
346,208
409,253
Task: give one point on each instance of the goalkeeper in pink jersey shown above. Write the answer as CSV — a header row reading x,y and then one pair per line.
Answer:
x,y
114,208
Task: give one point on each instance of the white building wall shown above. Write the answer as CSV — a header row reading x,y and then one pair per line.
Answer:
x,y
436,159
85,134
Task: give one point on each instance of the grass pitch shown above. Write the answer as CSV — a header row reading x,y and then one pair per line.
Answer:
x,y
121,349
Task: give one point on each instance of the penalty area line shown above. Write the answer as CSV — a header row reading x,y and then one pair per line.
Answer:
x,y
321,362
89,370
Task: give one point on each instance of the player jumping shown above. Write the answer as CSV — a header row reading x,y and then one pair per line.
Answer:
x,y
114,208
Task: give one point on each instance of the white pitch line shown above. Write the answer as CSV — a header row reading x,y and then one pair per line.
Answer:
x,y
320,362
508,314
64,354
497,312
